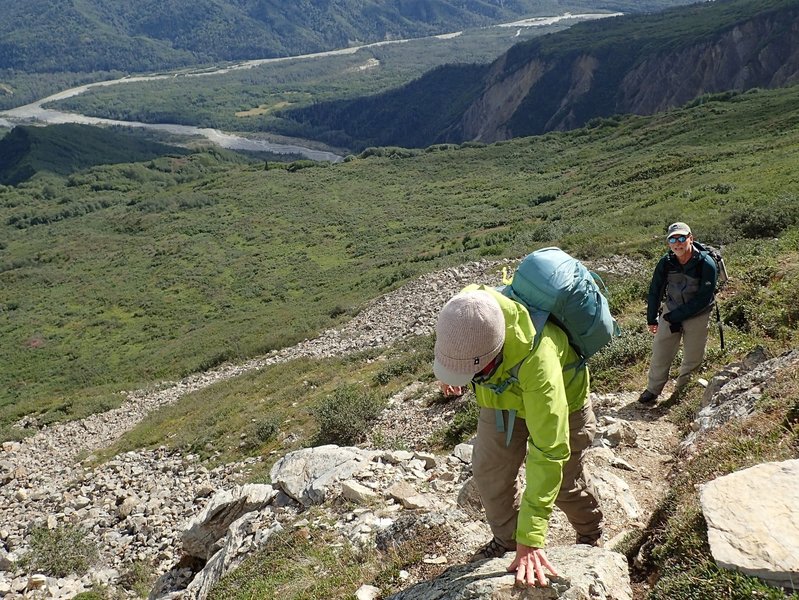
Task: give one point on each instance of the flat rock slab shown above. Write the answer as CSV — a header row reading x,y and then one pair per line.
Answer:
x,y
753,521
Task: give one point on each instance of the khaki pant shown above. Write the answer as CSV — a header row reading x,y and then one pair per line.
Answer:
x,y
667,344
495,467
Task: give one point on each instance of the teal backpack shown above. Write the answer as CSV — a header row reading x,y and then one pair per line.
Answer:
x,y
553,285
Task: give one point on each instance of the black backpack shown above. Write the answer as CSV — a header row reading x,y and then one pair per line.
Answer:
x,y
722,278
715,254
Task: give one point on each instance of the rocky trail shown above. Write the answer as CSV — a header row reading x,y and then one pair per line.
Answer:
x,y
137,506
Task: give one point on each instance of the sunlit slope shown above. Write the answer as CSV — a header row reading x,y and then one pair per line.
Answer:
x,y
188,261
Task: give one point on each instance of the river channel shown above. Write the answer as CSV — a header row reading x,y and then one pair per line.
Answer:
x,y
36,113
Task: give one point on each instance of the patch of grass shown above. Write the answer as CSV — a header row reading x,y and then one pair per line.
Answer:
x,y
410,357
610,367
138,578
299,566
273,408
462,427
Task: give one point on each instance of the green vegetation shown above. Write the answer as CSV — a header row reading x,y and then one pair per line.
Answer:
x,y
64,149
307,565
60,552
252,99
193,261
41,41
145,36
189,261
614,48
680,555
345,416
299,568
138,578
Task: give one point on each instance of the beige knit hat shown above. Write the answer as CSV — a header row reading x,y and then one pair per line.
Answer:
x,y
469,334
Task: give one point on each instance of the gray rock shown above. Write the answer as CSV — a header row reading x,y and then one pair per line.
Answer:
x,y
355,492
408,496
8,560
613,490
752,521
469,499
464,453
737,398
225,508
306,475
586,573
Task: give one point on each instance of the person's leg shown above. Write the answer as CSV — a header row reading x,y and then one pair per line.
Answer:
x,y
577,498
693,346
664,349
495,467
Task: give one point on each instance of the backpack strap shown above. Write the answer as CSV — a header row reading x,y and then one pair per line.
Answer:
x,y
501,424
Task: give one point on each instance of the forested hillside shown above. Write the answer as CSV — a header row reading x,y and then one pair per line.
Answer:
x,y
46,36
64,149
634,64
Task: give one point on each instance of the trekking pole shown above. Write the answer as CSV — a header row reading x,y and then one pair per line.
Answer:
x,y
721,326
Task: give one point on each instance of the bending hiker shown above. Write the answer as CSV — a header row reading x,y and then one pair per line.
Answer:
x,y
686,278
481,338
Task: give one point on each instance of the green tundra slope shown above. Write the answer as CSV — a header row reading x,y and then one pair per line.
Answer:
x,y
121,275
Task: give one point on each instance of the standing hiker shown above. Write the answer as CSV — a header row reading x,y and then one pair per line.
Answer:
x,y
538,392
686,278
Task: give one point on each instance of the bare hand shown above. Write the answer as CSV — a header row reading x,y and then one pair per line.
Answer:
x,y
450,391
529,565
653,329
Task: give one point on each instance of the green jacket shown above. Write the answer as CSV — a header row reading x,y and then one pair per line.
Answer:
x,y
544,397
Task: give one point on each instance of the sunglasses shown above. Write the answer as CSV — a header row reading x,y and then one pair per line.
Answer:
x,y
679,238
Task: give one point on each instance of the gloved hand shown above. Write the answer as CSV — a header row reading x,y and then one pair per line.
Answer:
x,y
675,327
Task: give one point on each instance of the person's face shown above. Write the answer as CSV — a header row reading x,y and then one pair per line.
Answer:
x,y
680,244
489,369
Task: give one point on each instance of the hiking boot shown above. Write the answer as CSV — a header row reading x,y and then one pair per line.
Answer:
x,y
493,549
589,540
647,397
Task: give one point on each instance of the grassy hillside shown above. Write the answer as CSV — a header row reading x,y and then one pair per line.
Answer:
x,y
63,149
185,262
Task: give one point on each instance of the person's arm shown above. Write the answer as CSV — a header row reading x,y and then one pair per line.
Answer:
x,y
547,418
704,296
656,289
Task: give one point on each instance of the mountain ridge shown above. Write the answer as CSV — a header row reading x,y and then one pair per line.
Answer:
x,y
638,64
42,36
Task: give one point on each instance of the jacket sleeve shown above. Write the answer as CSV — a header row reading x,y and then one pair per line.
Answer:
x,y
704,296
657,288
547,418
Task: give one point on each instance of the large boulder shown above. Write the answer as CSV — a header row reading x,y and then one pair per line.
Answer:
x,y
202,534
308,474
752,521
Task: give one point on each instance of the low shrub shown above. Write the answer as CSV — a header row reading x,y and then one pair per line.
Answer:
x,y
346,415
608,367
138,578
60,552
463,426
765,221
